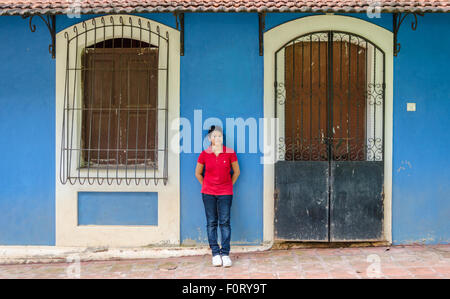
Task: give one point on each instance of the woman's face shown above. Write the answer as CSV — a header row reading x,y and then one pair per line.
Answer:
x,y
216,138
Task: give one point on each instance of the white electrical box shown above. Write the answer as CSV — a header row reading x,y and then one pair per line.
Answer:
x,y
410,106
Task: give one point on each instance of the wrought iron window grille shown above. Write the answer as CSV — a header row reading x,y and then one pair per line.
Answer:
x,y
115,116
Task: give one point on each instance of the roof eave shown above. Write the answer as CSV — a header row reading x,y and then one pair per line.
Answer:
x,y
117,10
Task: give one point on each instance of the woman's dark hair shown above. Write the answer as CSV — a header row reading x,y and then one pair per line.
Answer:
x,y
215,128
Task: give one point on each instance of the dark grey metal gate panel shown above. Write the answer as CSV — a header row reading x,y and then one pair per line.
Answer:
x,y
356,201
301,205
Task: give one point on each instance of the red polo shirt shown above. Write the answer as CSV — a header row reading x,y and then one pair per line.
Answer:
x,y
217,178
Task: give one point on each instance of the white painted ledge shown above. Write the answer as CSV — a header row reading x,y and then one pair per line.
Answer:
x,y
53,254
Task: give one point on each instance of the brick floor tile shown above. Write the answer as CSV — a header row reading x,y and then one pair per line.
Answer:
x,y
394,271
344,274
304,252
317,275
428,276
262,275
444,270
350,251
312,267
308,259
421,270
290,275
401,277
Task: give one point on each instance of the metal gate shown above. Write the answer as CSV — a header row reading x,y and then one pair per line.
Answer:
x,y
329,97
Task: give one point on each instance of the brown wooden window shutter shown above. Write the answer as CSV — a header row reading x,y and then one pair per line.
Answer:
x,y
119,107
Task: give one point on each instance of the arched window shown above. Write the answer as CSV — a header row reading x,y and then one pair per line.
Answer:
x,y
115,119
117,90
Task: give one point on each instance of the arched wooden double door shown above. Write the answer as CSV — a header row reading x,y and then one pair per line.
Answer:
x,y
329,174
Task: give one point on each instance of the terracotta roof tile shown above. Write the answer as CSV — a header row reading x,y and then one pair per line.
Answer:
x,y
20,7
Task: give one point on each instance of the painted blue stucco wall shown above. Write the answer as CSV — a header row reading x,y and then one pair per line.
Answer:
x,y
27,129
117,208
421,164
222,74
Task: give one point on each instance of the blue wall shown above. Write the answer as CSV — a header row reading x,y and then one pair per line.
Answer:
x,y
117,208
222,73
421,169
27,129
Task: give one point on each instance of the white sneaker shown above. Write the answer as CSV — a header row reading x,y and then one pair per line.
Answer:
x,y
217,260
226,261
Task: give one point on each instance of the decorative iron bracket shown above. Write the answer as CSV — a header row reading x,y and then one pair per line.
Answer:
x,y
262,25
50,21
179,19
397,19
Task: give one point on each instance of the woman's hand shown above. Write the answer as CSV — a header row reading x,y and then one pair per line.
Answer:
x,y
198,172
236,171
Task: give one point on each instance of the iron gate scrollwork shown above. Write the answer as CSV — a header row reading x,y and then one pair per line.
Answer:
x,y
329,96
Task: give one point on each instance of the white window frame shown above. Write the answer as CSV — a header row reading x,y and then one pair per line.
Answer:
x,y
68,233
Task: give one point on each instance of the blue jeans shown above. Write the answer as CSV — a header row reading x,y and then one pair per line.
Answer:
x,y
217,209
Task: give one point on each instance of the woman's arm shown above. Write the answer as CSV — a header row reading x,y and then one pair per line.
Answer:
x,y
198,172
236,171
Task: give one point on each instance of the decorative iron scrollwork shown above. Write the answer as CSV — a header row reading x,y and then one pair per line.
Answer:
x,y
397,21
50,21
339,121
179,19
261,28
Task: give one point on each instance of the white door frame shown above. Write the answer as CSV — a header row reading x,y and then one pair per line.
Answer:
x,y
276,38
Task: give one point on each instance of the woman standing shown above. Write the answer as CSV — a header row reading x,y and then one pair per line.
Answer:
x,y
217,192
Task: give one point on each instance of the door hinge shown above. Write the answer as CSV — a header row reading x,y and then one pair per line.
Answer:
x,y
275,194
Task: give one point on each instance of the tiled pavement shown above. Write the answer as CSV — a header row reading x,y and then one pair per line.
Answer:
x,y
373,262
